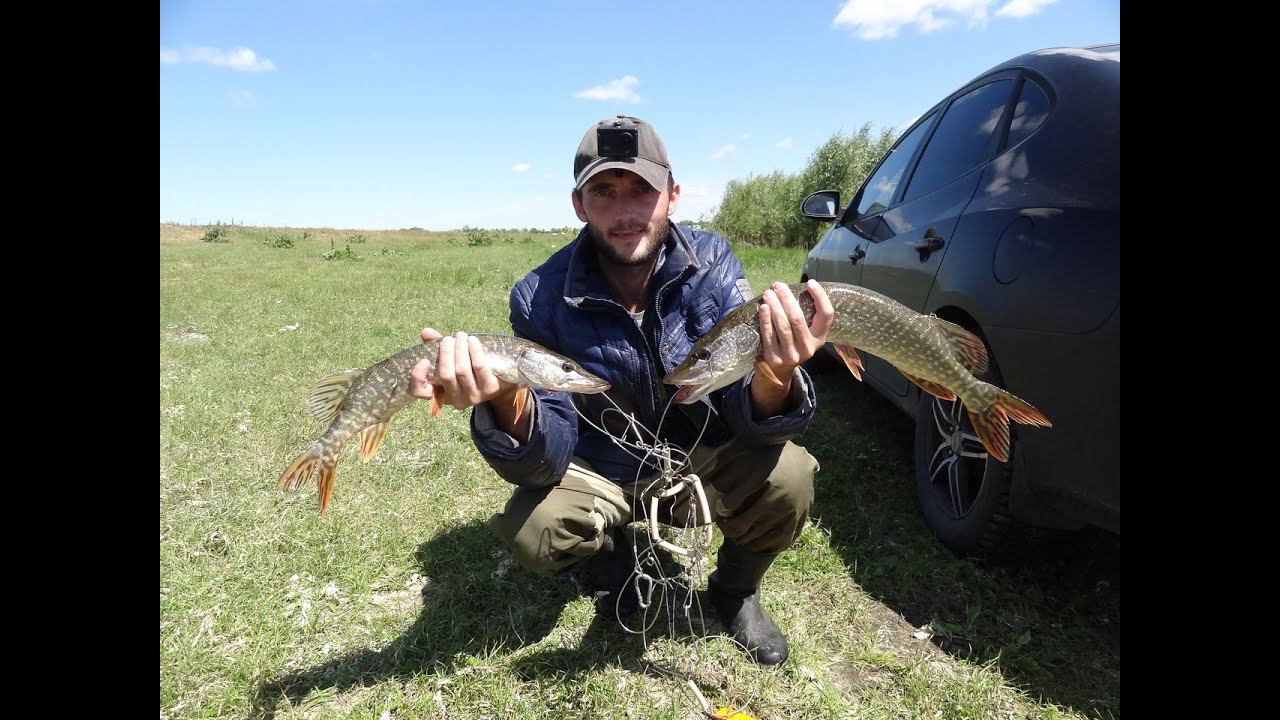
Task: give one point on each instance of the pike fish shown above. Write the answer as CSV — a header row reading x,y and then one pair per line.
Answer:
x,y
939,356
362,400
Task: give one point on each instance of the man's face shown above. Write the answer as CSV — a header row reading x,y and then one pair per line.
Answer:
x,y
626,216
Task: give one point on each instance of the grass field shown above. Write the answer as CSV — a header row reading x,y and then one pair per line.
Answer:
x,y
400,604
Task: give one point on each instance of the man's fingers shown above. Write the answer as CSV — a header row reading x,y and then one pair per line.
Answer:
x,y
467,395
766,332
781,326
486,381
420,380
429,334
785,344
823,311
795,315
444,367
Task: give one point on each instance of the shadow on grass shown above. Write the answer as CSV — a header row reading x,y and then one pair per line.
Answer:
x,y
1048,612
467,612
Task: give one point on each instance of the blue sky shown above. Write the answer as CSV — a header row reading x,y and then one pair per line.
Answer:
x,y
391,114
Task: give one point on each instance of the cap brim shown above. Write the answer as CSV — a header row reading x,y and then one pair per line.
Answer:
x,y
652,172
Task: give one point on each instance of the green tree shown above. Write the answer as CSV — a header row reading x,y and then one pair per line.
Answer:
x,y
765,209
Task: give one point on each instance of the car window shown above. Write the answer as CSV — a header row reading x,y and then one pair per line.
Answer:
x,y
963,135
879,190
1028,114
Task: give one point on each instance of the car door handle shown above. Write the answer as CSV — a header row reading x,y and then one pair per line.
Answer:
x,y
928,244
857,254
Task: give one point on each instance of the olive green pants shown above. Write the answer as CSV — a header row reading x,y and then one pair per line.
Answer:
x,y
759,496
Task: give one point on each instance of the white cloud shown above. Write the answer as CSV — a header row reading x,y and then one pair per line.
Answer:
x,y
237,58
521,167
878,19
243,97
1023,8
719,154
546,176
746,136
620,90
784,143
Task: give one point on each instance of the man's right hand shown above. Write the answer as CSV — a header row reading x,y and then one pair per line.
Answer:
x,y
462,377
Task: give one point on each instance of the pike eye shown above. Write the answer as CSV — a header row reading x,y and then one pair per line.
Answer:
x,y
703,354
567,367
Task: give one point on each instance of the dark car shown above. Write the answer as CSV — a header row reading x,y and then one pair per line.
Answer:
x,y
999,210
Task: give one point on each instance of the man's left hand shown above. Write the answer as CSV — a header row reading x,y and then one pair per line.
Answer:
x,y
786,340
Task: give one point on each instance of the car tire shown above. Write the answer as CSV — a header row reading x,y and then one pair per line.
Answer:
x,y
964,498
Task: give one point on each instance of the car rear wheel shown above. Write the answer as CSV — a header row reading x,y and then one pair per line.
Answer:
x,y
963,492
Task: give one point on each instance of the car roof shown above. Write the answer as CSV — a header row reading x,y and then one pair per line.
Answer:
x,y
1056,60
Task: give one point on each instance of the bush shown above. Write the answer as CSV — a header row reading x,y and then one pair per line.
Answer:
x,y
765,210
278,241
218,234
356,240
346,253
477,237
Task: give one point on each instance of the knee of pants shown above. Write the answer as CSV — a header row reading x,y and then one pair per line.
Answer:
x,y
777,516
547,538
792,480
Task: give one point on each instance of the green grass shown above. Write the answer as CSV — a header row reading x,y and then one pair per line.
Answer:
x,y
400,601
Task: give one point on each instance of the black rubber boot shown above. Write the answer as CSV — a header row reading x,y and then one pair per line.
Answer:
x,y
607,574
734,589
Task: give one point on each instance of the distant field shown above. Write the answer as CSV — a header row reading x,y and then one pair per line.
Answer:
x,y
400,604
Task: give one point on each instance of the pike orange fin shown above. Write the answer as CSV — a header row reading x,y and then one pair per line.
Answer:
x,y
968,348
300,469
930,387
324,399
371,439
763,368
435,400
1021,410
992,428
851,359
324,484
992,424
521,401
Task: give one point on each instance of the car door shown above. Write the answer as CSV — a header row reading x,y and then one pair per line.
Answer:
x,y
847,242
908,240
837,261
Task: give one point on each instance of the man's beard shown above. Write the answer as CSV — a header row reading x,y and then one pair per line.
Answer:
x,y
649,246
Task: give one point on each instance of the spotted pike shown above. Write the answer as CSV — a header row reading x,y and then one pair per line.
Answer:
x,y
362,400
939,356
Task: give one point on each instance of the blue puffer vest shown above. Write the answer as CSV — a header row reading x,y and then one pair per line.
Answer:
x,y
566,305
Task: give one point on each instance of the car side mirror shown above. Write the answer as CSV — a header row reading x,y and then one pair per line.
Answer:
x,y
823,205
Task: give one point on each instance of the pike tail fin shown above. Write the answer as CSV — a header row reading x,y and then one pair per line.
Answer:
x,y
302,467
324,483
992,423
